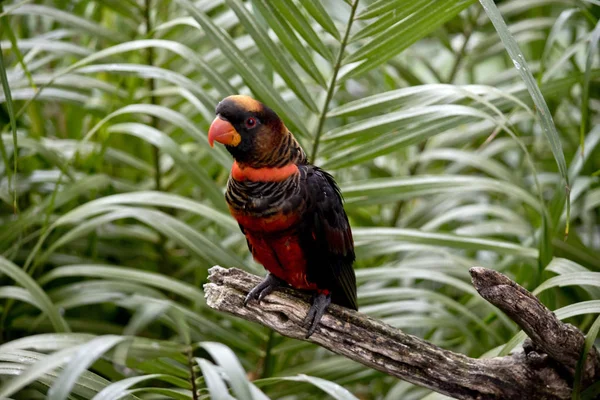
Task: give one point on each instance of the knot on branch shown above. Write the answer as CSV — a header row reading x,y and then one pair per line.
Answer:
x,y
544,370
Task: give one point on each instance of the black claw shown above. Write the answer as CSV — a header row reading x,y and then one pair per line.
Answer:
x,y
264,288
315,312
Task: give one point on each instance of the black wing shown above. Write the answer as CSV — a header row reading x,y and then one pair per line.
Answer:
x,y
326,238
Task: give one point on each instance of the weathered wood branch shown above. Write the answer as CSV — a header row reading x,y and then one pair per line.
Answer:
x,y
561,342
544,371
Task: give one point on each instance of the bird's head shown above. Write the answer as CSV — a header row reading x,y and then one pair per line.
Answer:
x,y
250,131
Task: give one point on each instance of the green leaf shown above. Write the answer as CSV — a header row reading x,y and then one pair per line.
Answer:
x,y
127,274
12,175
288,11
318,12
379,7
69,19
215,384
39,296
48,342
377,235
359,151
227,360
183,51
171,227
582,157
119,389
177,119
476,211
288,38
170,147
398,37
474,160
148,198
521,65
177,394
31,216
79,362
47,152
334,390
246,68
558,25
570,279
392,273
193,91
6,29
590,338
585,93
272,53
18,293
385,21
384,190
390,121
37,371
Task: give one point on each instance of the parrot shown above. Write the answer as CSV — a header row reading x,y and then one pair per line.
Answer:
x,y
290,211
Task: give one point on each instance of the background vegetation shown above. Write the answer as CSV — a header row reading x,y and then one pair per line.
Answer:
x,y
450,153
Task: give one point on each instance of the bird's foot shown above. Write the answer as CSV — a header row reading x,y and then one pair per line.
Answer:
x,y
264,288
319,304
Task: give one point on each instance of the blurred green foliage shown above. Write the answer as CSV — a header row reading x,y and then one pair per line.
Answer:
x,y
111,206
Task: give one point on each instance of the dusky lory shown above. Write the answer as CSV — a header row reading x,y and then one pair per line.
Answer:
x,y
290,211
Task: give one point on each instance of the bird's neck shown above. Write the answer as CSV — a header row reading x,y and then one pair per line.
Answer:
x,y
272,166
286,150
291,151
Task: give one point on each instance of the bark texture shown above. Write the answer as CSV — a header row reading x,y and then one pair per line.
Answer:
x,y
543,371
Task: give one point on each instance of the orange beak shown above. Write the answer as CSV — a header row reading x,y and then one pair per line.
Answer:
x,y
223,132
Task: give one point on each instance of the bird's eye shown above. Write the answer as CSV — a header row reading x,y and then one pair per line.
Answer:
x,y
250,123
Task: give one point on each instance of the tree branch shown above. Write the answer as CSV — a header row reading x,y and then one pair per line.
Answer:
x,y
377,345
562,342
